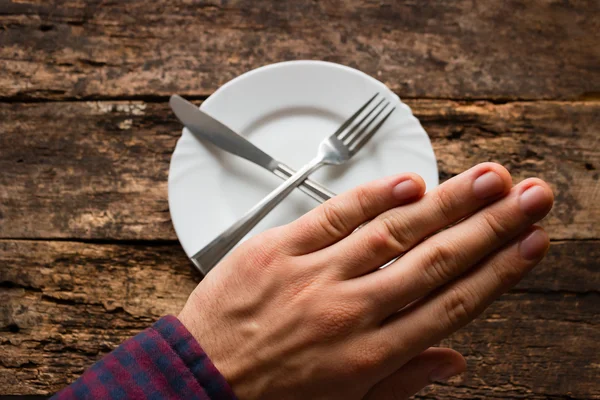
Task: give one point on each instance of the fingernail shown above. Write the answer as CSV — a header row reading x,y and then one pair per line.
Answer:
x,y
488,185
444,372
533,200
406,190
534,245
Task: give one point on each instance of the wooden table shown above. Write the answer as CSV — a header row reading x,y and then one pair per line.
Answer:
x,y
88,255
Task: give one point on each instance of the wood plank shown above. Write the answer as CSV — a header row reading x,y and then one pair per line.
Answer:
x,y
529,347
99,273
65,304
98,170
521,49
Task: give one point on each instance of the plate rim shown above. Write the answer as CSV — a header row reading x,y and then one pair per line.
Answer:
x,y
266,68
283,64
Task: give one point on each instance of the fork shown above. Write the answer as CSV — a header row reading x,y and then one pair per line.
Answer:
x,y
338,148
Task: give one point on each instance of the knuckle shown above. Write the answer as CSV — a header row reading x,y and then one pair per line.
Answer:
x,y
364,201
393,232
380,240
459,306
333,220
260,251
440,263
494,229
446,200
507,273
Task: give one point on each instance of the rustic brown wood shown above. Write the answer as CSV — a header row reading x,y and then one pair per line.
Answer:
x,y
65,304
98,170
527,49
87,179
106,179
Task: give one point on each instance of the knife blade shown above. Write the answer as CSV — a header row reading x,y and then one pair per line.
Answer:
x,y
206,128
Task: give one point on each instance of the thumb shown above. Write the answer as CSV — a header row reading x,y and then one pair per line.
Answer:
x,y
433,365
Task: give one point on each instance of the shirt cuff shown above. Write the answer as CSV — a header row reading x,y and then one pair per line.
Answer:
x,y
161,362
195,359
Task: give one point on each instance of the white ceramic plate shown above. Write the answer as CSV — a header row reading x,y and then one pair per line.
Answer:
x,y
286,109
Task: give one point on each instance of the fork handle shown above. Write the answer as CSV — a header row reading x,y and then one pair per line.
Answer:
x,y
315,190
212,253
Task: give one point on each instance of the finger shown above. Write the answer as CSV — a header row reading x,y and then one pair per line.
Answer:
x,y
448,254
396,231
440,314
339,216
433,365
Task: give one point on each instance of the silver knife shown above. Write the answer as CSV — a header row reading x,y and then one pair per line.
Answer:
x,y
205,127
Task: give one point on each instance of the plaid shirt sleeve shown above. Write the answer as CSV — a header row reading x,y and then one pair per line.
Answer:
x,y
162,362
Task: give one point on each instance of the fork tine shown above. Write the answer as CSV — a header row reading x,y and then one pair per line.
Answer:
x,y
361,126
354,132
366,137
347,123
365,123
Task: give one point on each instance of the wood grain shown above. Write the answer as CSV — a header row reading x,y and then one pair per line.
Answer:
x,y
86,138
98,170
526,49
65,304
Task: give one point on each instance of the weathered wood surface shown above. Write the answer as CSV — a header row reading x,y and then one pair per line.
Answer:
x,y
528,49
86,180
66,304
98,170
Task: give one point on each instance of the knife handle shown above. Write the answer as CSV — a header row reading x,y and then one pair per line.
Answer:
x,y
210,255
315,190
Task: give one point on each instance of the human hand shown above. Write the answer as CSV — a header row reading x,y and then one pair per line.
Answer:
x,y
305,311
